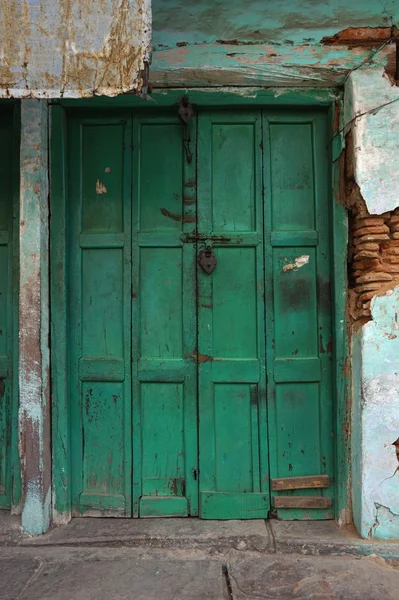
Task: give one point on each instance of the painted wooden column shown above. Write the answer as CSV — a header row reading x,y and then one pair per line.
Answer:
x,y
34,359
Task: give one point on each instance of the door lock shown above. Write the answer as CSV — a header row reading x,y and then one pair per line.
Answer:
x,y
207,259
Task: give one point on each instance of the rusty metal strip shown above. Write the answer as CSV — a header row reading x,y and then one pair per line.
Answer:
x,y
298,483
302,502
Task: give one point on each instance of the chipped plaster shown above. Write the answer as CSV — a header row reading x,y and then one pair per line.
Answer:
x,y
376,421
73,48
34,358
375,136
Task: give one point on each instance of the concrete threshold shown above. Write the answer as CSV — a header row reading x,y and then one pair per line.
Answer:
x,y
313,538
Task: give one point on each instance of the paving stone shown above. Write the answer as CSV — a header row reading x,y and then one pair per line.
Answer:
x,y
321,578
178,533
326,538
15,573
128,580
10,528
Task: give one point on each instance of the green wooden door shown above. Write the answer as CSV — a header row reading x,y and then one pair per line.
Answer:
x,y
298,311
132,311
234,479
8,307
164,322
182,381
99,186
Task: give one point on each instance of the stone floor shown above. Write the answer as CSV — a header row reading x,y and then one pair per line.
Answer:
x,y
189,559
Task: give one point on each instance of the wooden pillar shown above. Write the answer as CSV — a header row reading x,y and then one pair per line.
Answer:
x,y
34,358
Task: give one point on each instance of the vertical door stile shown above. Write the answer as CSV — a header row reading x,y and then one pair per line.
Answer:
x,y
75,311
269,299
232,378
190,308
324,300
127,312
206,415
135,342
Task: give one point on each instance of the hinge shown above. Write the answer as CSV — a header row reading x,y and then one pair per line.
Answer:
x,y
195,474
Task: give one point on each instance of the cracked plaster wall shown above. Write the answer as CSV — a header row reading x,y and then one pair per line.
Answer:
x,y
291,43
376,422
375,137
73,48
375,346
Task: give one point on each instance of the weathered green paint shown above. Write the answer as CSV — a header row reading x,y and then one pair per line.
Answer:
x,y
298,297
292,22
9,472
34,360
60,406
232,375
157,370
267,44
164,320
99,284
210,97
341,362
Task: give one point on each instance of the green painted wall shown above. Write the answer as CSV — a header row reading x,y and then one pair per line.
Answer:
x,y
271,43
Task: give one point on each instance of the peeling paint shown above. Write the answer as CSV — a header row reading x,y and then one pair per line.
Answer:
x,y
34,359
100,188
372,115
268,44
297,264
73,48
376,423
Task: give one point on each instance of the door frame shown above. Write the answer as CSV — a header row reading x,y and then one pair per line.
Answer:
x,y
331,101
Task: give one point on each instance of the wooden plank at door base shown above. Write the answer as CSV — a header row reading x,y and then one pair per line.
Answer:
x,y
298,483
302,502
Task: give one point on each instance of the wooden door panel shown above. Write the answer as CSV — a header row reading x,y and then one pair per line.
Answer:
x,y
164,321
233,443
298,308
100,289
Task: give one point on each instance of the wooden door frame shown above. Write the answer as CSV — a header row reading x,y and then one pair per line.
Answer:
x,y
331,101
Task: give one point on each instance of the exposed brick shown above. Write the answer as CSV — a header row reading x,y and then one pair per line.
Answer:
x,y
375,256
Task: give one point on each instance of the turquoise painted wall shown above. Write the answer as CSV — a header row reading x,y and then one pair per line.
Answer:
x,y
276,42
257,21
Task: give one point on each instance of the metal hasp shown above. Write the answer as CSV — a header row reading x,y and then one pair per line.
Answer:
x,y
207,260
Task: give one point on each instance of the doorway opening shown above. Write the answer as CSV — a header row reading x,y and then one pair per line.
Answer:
x,y
199,314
